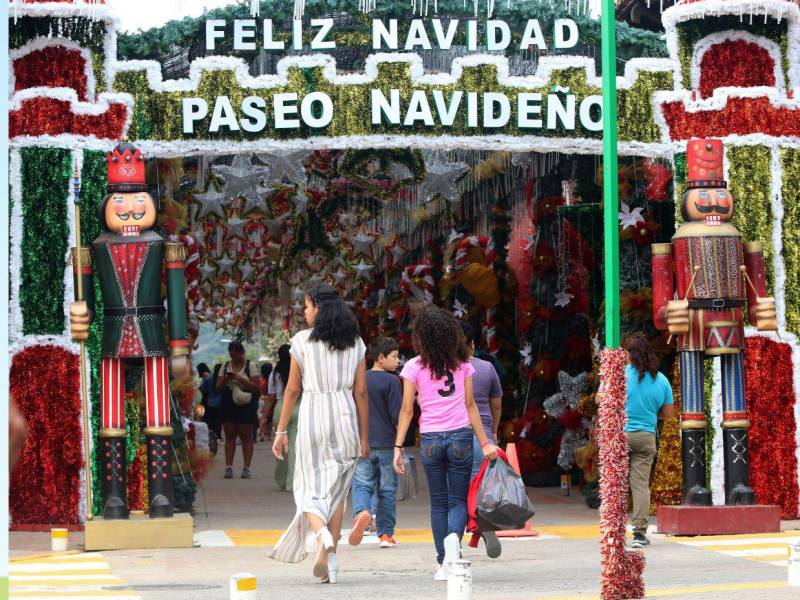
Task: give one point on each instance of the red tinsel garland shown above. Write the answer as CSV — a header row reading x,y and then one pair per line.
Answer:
x,y
48,116
735,63
621,570
35,69
773,464
740,116
45,486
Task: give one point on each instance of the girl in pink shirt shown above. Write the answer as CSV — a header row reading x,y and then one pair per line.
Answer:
x,y
441,378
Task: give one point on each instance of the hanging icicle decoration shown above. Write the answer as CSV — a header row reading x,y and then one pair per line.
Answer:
x,y
299,9
367,6
255,8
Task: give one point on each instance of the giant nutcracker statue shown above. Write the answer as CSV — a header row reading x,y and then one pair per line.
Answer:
x,y
702,283
129,257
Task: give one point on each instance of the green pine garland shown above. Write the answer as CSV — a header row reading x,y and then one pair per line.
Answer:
x,y
45,175
790,161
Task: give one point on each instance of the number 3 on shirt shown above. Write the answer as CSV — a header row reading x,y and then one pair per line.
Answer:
x,y
450,384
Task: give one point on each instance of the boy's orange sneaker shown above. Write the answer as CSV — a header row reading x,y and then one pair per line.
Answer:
x,y
387,541
359,525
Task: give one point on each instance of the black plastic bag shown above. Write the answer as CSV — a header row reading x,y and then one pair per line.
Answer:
x,y
502,502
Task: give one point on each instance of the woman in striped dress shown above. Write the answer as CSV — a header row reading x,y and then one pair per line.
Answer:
x,y
328,366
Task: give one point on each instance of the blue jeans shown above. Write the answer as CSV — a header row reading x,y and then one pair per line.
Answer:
x,y
377,470
477,454
447,459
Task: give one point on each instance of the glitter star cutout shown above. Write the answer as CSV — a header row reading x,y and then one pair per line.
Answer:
x,y
285,167
397,253
230,287
242,178
363,270
454,236
199,236
225,264
239,302
234,228
206,270
362,245
246,269
441,181
210,203
340,277
571,390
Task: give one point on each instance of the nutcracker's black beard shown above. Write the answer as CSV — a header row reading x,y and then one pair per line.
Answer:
x,y
707,210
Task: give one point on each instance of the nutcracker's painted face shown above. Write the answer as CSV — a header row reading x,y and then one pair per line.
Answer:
x,y
710,205
130,212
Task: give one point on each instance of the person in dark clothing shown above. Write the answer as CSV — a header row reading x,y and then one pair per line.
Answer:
x,y
385,400
238,386
264,416
210,401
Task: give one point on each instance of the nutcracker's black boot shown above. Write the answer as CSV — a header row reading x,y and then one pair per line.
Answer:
x,y
693,447
737,478
113,470
159,476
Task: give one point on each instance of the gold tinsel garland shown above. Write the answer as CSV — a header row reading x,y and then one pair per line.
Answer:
x,y
666,486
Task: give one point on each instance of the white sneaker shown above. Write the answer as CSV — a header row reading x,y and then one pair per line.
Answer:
x,y
440,575
452,551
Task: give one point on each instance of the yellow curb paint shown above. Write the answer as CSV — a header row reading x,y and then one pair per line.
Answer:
x,y
111,580
57,573
783,547
62,561
247,584
768,557
571,532
269,537
78,593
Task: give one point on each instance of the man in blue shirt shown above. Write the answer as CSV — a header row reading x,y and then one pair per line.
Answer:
x,y
649,399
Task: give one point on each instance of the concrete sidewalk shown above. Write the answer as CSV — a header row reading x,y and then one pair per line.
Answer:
x,y
245,517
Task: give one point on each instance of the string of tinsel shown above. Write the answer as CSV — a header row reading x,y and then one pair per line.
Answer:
x,y
770,400
621,570
45,174
93,189
790,163
133,423
45,485
666,486
749,180
708,395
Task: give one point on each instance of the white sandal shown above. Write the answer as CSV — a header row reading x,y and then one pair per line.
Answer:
x,y
325,548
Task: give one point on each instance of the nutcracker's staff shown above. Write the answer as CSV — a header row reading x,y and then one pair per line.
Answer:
x,y
81,303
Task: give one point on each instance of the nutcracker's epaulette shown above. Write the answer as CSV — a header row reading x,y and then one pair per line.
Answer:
x,y
695,229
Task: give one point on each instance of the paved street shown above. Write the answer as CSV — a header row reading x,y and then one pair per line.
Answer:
x,y
237,520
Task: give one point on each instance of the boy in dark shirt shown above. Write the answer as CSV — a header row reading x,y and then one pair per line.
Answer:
x,y
385,399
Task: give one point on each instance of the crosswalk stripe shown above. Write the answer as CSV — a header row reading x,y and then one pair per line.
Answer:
x,y
716,541
765,548
754,552
70,577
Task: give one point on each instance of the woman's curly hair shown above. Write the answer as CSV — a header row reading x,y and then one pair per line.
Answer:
x,y
439,341
336,325
642,356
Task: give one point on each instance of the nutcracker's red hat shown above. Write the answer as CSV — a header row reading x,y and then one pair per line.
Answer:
x,y
704,164
126,169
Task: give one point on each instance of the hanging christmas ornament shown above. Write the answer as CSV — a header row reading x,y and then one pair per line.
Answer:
x,y
454,236
210,203
297,307
242,178
285,167
459,310
562,299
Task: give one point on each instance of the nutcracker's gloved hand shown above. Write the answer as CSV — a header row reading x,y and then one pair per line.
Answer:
x,y
79,321
180,366
766,316
678,316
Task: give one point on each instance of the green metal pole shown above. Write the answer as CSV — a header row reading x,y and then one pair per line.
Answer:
x,y
608,37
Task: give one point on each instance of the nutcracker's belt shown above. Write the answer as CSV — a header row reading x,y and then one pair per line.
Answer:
x,y
132,311
716,303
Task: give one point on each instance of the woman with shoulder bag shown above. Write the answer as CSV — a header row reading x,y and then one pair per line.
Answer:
x,y
238,387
